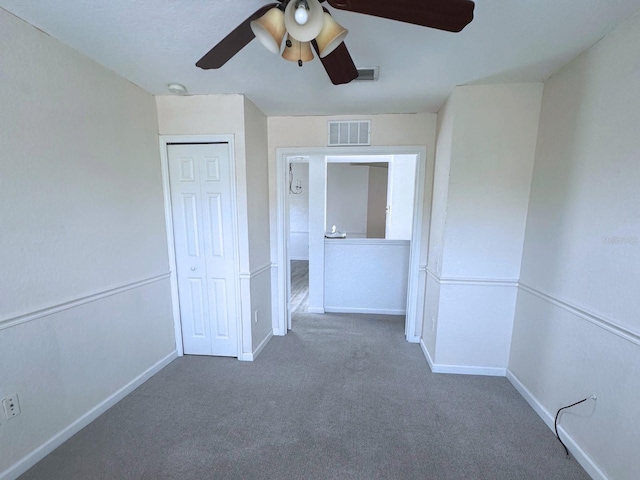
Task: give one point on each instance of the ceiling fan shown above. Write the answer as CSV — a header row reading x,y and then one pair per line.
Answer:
x,y
307,24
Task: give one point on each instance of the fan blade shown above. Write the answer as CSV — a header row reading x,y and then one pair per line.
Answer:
x,y
232,43
449,15
338,64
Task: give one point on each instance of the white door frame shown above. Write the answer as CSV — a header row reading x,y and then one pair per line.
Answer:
x,y
284,155
287,218
165,140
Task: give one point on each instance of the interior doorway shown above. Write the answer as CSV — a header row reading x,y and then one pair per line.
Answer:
x,y
298,236
368,226
318,159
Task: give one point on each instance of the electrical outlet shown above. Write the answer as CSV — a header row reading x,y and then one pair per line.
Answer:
x,y
11,406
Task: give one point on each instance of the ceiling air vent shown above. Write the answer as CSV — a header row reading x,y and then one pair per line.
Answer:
x,y
343,134
368,74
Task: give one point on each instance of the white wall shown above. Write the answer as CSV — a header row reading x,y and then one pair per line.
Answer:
x,y
257,178
479,231
234,115
444,147
366,276
85,310
577,329
317,207
494,140
202,115
377,202
299,214
347,199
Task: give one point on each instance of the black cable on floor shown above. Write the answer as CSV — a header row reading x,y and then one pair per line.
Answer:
x,y
555,424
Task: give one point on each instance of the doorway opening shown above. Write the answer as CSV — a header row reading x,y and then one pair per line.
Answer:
x,y
298,235
376,244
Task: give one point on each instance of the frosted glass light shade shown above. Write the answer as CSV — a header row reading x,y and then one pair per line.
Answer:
x,y
311,29
297,51
301,15
331,36
270,29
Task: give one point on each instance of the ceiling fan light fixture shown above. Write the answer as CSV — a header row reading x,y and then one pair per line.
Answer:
x,y
313,25
298,51
270,30
331,35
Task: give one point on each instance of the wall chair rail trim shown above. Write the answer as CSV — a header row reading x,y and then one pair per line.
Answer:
x,y
78,301
590,317
248,275
480,282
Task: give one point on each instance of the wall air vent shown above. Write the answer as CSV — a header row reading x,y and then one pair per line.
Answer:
x,y
353,133
368,74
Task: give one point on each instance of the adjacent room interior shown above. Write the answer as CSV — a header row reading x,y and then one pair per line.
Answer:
x,y
498,284
364,211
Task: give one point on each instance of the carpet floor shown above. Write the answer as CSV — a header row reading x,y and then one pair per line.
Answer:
x,y
339,397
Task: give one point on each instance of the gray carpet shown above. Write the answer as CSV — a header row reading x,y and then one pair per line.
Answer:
x,y
340,397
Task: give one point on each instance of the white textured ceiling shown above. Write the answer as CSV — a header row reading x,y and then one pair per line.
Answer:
x,y
156,42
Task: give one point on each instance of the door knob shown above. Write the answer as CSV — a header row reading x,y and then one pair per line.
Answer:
x,y
193,269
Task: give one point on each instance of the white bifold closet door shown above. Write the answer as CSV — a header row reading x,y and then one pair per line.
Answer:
x,y
202,208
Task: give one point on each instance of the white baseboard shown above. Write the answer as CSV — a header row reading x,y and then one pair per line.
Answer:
x,y
65,434
263,344
368,311
315,310
578,453
250,357
426,354
469,370
461,369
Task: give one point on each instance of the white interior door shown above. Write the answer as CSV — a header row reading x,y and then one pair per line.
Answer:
x,y
201,203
